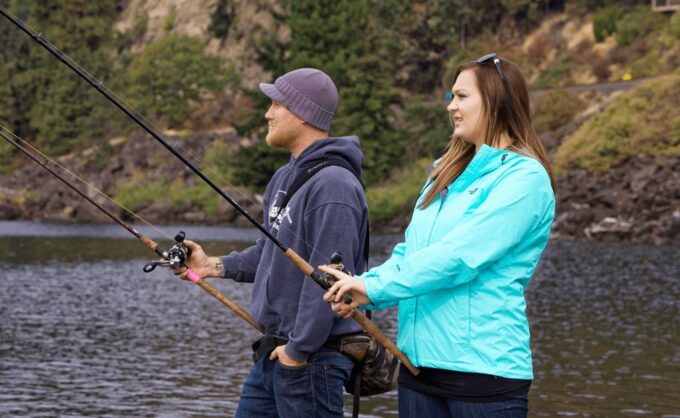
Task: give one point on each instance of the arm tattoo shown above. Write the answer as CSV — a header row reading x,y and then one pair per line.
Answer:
x,y
219,268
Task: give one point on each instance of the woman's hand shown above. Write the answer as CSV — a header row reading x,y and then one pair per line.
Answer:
x,y
354,286
200,263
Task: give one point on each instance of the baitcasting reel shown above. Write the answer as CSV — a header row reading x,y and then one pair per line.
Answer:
x,y
175,257
326,281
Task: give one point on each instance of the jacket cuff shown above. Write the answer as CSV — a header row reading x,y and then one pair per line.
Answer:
x,y
230,268
295,354
375,295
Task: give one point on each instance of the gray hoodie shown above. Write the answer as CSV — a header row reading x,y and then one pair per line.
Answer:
x,y
327,214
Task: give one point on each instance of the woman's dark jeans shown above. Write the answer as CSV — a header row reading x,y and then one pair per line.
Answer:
x,y
413,404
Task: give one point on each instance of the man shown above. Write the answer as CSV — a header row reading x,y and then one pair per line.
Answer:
x,y
299,371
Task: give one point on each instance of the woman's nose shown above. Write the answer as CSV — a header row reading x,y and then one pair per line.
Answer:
x,y
452,106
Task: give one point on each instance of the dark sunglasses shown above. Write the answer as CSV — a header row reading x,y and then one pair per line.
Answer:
x,y
496,60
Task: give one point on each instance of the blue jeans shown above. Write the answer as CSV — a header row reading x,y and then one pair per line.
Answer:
x,y
414,404
313,390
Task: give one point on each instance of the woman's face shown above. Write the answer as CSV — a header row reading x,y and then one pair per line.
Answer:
x,y
466,108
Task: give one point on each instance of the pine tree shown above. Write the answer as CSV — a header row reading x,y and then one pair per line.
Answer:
x,y
63,110
342,38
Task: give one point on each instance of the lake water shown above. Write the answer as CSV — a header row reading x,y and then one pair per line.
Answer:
x,y
84,332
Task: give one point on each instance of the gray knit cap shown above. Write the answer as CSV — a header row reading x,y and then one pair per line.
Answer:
x,y
307,92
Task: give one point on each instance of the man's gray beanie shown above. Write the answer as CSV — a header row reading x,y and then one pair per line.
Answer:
x,y
307,92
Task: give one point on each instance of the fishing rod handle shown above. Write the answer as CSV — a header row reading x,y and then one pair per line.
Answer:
x,y
225,300
371,329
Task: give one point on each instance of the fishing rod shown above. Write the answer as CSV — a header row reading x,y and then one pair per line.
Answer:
x,y
323,280
175,256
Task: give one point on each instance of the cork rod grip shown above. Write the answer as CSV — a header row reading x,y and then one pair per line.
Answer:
x,y
229,304
299,262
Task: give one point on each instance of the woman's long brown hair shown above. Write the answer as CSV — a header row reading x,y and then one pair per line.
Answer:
x,y
505,108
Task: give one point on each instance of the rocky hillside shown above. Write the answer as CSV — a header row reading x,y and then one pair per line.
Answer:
x,y
636,199
33,193
251,20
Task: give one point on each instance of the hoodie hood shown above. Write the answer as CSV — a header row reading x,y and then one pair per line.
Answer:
x,y
347,147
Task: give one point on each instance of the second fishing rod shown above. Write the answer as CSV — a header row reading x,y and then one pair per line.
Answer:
x,y
320,278
174,257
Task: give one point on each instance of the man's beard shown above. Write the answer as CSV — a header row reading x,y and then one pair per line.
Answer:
x,y
280,138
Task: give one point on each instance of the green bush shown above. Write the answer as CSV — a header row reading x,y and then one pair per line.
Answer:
x,y
219,157
257,164
69,114
222,18
675,24
649,64
644,121
427,128
639,22
170,20
397,196
604,21
142,193
171,76
557,75
555,109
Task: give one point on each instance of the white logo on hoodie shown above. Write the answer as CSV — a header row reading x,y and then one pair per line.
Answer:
x,y
277,215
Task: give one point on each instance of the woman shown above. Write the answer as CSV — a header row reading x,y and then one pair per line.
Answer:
x,y
476,235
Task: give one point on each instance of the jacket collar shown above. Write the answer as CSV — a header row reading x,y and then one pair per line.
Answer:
x,y
486,160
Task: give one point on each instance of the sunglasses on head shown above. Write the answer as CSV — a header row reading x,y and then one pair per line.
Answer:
x,y
496,61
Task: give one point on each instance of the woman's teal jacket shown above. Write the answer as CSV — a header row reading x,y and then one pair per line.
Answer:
x,y
460,275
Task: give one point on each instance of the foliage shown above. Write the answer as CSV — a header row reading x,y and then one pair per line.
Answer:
x,y
171,76
74,25
649,64
222,18
388,200
639,22
479,46
69,113
581,8
170,20
427,128
51,102
555,109
341,38
604,21
257,164
140,23
219,157
558,74
139,194
7,101
527,9
6,106
418,39
675,24
643,121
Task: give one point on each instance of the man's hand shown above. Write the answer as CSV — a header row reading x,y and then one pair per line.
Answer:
x,y
203,265
280,353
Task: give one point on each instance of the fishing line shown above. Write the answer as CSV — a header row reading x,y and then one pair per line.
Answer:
x,y
148,124
174,257
90,185
120,205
